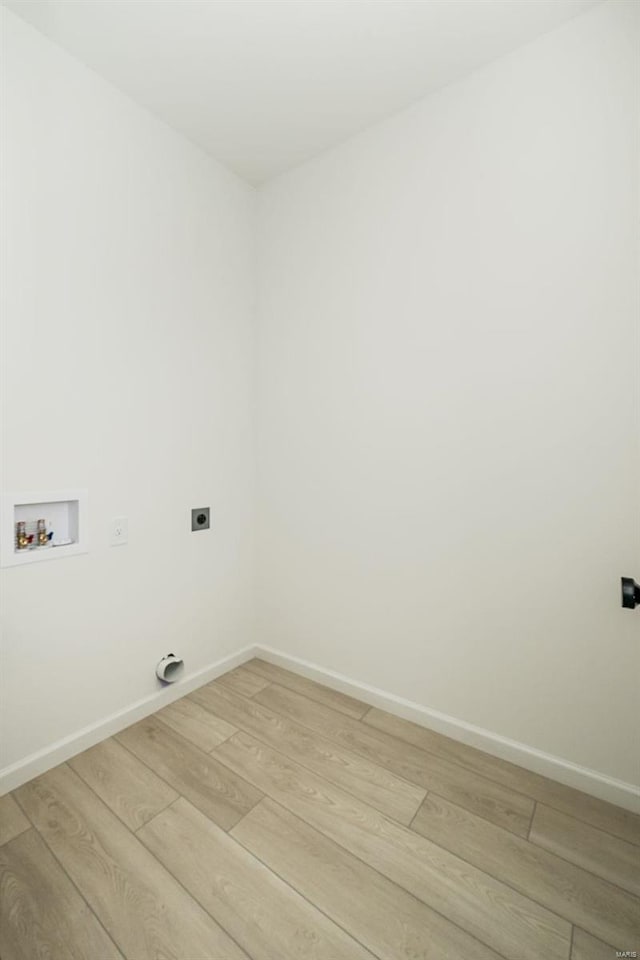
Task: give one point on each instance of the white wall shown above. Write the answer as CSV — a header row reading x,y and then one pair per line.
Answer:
x,y
448,400
127,315
447,395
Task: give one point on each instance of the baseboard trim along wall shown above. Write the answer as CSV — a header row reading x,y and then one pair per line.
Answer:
x,y
597,784
36,763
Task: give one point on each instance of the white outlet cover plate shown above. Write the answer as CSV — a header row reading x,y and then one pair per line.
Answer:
x,y
119,531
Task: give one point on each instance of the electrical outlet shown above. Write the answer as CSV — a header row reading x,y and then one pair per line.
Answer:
x,y
119,530
200,519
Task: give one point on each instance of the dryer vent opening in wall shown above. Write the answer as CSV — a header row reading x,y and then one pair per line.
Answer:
x,y
170,668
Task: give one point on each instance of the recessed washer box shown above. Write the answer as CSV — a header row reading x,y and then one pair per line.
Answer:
x,y
65,513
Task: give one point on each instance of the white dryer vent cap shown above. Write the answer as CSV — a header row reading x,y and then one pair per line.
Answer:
x,y
170,668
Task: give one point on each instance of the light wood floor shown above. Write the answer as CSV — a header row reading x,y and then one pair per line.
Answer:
x,y
265,816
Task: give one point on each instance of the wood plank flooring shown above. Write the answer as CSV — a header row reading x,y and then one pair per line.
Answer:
x,y
497,803
582,806
368,781
266,817
12,819
43,914
196,724
134,792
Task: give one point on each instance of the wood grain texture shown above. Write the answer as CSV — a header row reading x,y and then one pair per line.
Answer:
x,y
196,775
368,781
42,915
607,856
309,688
139,903
482,796
194,723
498,916
586,947
382,916
243,682
262,913
605,816
127,786
12,820
317,863
588,901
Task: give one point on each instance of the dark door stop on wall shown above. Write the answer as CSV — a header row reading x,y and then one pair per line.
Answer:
x,y
630,593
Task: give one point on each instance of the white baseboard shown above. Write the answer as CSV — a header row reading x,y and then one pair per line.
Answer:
x,y
556,768
565,771
35,764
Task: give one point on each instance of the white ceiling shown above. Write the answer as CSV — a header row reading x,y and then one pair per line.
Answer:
x,y
265,84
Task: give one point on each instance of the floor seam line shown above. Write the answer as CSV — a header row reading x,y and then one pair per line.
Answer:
x,y
369,867
469,770
190,895
506,882
577,866
410,827
250,733
440,847
209,756
485,776
173,729
361,754
368,707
